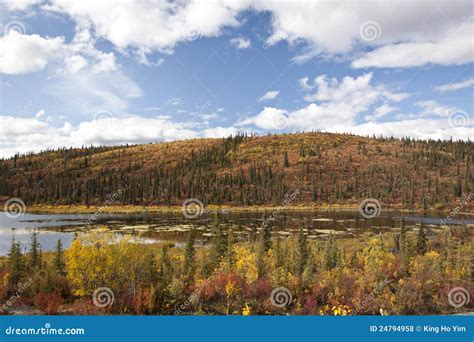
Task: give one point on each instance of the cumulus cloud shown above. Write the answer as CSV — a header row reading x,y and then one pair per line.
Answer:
x,y
343,100
241,43
269,95
20,5
420,32
268,118
431,107
336,27
31,134
147,26
20,53
456,51
380,112
455,86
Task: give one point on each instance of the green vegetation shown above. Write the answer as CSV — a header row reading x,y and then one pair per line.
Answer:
x,y
329,169
410,272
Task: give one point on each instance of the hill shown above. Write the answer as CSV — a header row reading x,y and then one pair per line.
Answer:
x,y
258,170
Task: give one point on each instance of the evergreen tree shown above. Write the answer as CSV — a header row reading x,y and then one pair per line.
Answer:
x,y
331,253
303,252
286,163
58,258
230,254
421,242
34,261
189,255
15,264
404,245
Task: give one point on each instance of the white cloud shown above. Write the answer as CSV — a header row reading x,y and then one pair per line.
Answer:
x,y
219,132
380,112
30,134
147,26
432,107
456,51
417,128
419,32
20,54
269,95
241,43
334,27
268,118
39,114
304,84
354,93
455,86
20,5
336,104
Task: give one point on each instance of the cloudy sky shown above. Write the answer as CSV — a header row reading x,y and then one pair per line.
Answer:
x,y
85,72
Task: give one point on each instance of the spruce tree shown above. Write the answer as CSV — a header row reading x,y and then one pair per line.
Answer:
x,y
58,258
189,255
15,264
421,242
286,163
34,251
302,252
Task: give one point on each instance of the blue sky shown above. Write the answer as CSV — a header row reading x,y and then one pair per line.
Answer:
x,y
112,72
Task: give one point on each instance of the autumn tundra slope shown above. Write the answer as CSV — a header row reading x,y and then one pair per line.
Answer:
x,y
322,168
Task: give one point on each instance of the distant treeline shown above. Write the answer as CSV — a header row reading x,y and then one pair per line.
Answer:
x,y
248,170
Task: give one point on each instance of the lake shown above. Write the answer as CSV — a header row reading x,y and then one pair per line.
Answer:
x,y
173,227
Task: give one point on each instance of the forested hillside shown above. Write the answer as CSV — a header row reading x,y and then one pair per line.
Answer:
x,y
243,170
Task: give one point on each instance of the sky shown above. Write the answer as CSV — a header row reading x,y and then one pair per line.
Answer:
x,y
79,73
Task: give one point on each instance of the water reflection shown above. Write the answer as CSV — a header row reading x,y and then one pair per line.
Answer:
x,y
173,226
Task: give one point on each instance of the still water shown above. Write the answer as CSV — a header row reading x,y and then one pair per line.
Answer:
x,y
173,227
